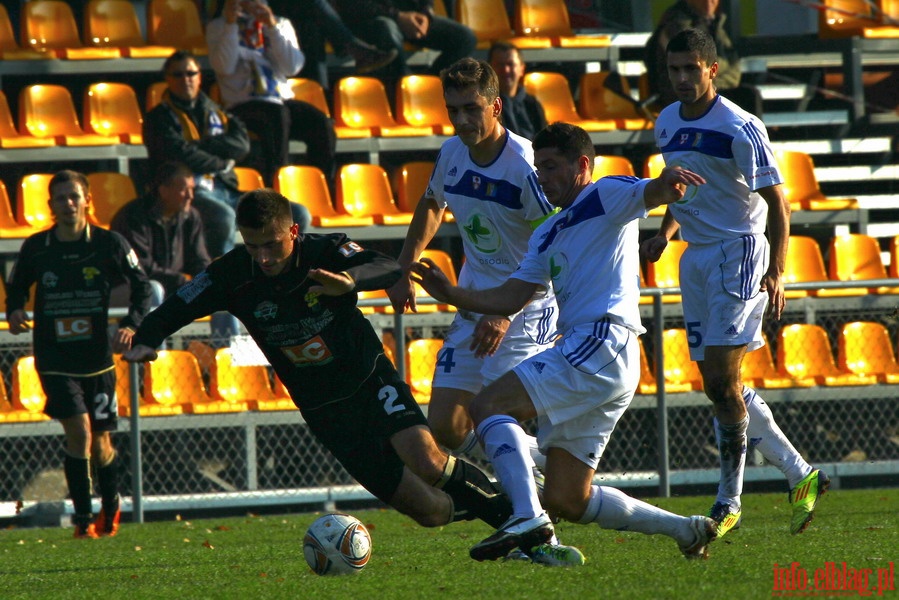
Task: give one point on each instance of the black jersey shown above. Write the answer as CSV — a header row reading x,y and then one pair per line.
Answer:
x,y
71,310
322,348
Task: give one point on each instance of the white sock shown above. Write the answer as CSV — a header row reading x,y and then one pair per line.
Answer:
x,y
506,445
732,454
470,447
764,433
538,458
610,508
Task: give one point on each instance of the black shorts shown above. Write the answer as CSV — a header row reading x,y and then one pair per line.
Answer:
x,y
70,395
357,430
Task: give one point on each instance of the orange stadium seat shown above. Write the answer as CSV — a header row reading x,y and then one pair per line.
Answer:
x,y
47,111
652,167
681,373
9,48
110,191
10,138
175,378
865,348
758,370
27,392
609,164
445,262
111,109
311,91
801,187
248,179
665,272
552,90
361,103
805,352
856,257
154,94
805,264
363,190
307,185
114,24
31,201
49,26
549,18
422,358
597,101
9,228
410,181
420,103
847,18
176,23
647,383
238,383
9,414
490,22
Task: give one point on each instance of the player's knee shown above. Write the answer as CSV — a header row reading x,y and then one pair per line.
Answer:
x,y
722,389
559,504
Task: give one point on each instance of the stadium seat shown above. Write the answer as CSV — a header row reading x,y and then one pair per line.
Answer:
x,y
420,103
311,91
47,111
9,414
894,257
445,262
248,179
652,167
154,94
9,228
865,348
856,257
804,352
422,358
9,48
597,101
848,18
681,373
490,22
609,164
307,185
549,18
238,383
801,187
804,264
361,103
10,138
110,191
114,24
363,190
175,378
410,181
27,392
111,109
758,370
176,23
31,201
371,295
552,90
665,272
647,383
49,26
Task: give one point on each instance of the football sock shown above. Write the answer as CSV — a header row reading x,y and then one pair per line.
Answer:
x,y
764,433
506,445
538,458
610,508
473,495
732,454
108,482
470,447
78,478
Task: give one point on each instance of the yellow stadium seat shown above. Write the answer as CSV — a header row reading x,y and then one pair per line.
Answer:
x,y
647,383
681,373
47,111
176,23
410,181
363,190
865,348
552,90
420,103
445,263
27,392
805,264
110,191
848,18
804,352
422,358
31,201
238,383
10,138
549,18
307,185
801,187
665,272
597,101
111,109
652,167
758,370
154,94
9,228
608,164
114,24
248,179
174,378
311,92
9,48
856,257
490,22
49,26
361,103
10,414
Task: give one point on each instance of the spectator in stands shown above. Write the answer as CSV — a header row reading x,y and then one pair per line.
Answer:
x,y
317,21
389,24
75,265
522,113
189,127
708,16
253,52
297,296
731,273
166,232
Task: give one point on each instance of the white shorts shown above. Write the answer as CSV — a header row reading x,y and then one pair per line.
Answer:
x,y
722,303
581,387
457,367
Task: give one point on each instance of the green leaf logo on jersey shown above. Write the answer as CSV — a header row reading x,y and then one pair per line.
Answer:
x,y
482,233
558,271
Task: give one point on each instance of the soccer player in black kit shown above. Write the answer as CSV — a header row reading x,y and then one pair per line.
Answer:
x,y
296,295
75,265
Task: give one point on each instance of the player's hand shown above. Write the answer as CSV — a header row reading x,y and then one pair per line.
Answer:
x,y
773,283
429,276
332,284
121,341
674,182
18,322
402,295
489,334
651,249
139,353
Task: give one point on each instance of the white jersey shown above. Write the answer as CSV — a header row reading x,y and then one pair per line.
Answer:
x,y
494,206
589,254
729,147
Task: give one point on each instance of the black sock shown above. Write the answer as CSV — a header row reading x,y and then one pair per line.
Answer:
x,y
108,482
473,494
78,477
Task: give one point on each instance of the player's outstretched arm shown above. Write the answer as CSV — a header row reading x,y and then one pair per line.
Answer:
x,y
506,299
669,186
331,284
425,223
139,353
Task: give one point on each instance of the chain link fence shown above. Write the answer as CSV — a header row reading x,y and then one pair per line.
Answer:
x,y
239,441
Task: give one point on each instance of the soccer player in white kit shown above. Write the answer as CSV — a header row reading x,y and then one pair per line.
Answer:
x,y
730,273
588,254
485,176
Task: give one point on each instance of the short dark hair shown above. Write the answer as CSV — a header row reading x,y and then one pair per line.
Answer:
x,y
502,46
169,171
178,56
263,208
67,175
466,73
570,140
697,41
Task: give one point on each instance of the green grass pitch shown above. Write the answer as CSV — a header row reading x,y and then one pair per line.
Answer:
x,y
261,557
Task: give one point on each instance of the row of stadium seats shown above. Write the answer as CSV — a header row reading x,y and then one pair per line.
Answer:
x,y
866,18
851,257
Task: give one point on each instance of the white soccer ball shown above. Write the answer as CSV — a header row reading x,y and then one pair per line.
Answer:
x,y
337,544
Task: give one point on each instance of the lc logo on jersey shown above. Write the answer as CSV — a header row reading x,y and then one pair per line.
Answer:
x,y
72,329
312,353
481,232
350,248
